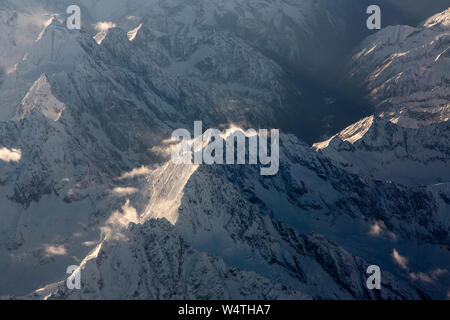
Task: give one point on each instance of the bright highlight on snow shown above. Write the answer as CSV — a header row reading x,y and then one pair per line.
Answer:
x,y
10,155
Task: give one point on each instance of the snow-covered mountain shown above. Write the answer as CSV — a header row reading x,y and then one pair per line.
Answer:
x,y
257,224
285,28
406,71
407,140
20,28
152,261
85,177
383,150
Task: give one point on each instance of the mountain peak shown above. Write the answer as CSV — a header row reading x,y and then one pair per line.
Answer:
x,y
40,98
439,20
351,134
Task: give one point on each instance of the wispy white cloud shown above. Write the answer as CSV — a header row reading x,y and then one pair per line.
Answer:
x,y
430,277
119,191
376,228
379,229
142,171
89,243
120,220
399,259
51,251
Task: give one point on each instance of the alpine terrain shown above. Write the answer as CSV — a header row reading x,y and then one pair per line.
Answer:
x,y
86,177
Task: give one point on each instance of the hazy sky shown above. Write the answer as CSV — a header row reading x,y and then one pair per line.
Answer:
x,y
414,11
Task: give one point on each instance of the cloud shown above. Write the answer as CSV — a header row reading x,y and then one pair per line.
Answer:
x,y
51,251
124,191
401,261
142,171
430,277
89,243
119,220
104,26
438,272
376,228
379,229
10,155
421,276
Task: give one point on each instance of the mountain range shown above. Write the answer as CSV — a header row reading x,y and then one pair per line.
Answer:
x,y
86,177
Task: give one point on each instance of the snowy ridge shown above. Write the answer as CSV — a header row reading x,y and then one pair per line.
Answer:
x,y
406,141
278,26
439,21
154,262
216,216
56,50
406,71
39,98
383,150
71,108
